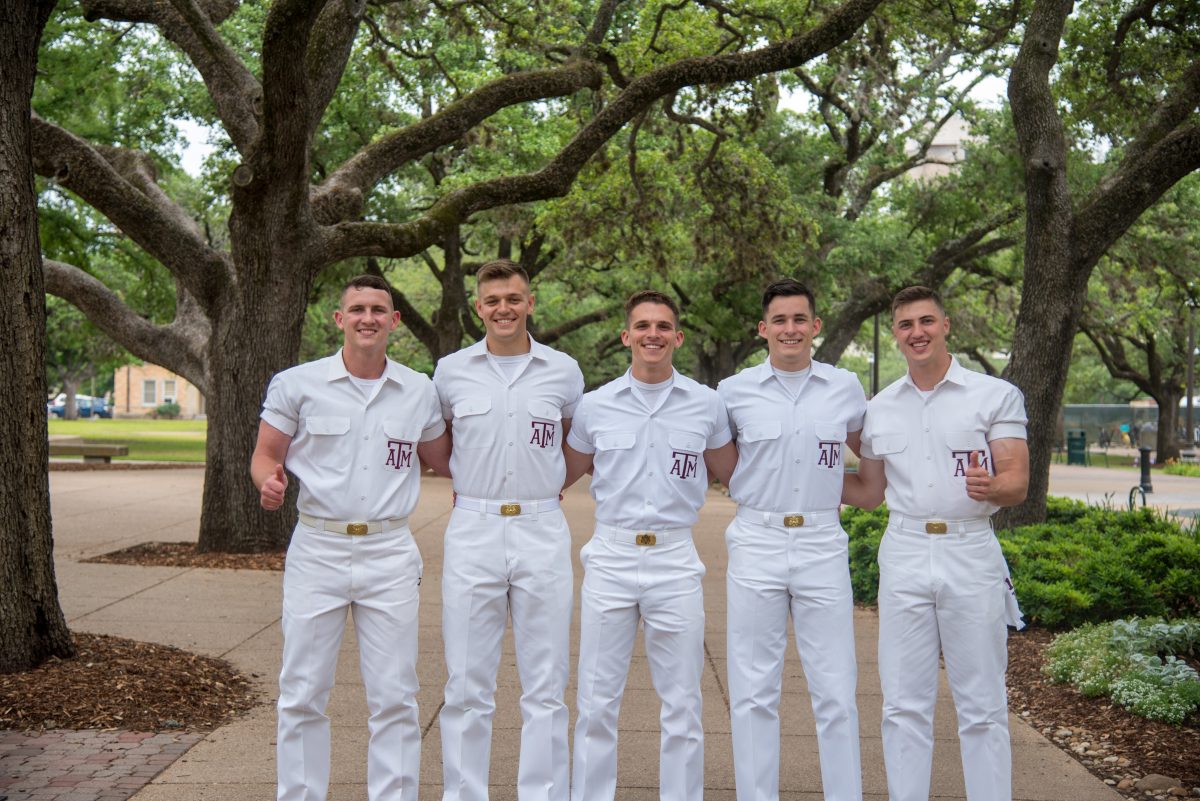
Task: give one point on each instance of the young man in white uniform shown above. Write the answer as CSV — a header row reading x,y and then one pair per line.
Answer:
x,y
508,401
791,417
651,436
353,429
950,444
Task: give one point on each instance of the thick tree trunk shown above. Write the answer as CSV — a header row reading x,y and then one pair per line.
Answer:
x,y
1046,323
257,335
1167,444
32,626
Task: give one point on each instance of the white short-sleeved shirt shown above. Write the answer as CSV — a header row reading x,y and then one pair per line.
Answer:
x,y
355,459
649,471
790,449
925,443
507,433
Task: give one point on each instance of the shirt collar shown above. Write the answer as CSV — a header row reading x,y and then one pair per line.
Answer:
x,y
820,370
955,374
479,350
337,369
678,381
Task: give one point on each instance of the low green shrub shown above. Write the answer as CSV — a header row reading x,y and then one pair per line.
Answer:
x,y
1182,469
1084,564
1135,662
169,410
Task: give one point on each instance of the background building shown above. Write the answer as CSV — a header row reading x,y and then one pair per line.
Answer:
x,y
139,389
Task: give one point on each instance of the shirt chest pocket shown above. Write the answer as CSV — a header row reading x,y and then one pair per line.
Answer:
x,y
399,446
829,440
762,433
686,451
330,440
544,426
961,444
614,452
889,445
472,428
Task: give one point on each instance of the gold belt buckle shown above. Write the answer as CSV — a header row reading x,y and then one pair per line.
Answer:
x,y
510,509
793,521
646,538
935,527
356,529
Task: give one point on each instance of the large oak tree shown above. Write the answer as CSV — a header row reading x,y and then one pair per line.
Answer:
x,y
1140,101
32,627
240,309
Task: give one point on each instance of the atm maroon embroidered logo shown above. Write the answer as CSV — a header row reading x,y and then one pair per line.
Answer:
x,y
829,454
684,464
962,460
543,434
399,455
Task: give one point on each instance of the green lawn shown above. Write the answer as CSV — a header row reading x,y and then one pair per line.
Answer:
x,y
148,440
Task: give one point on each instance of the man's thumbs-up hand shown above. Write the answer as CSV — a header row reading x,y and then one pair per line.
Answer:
x,y
273,489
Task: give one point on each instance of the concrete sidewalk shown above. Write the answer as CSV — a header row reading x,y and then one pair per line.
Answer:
x,y
234,614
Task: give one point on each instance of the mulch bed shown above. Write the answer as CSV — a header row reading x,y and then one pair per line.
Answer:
x,y
1114,744
112,683
184,554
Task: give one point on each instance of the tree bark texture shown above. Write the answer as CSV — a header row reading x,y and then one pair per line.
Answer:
x,y
32,626
1066,238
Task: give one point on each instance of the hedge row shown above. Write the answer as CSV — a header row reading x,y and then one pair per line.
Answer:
x,y
1084,564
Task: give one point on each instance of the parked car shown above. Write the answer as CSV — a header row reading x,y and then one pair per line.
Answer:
x,y
85,404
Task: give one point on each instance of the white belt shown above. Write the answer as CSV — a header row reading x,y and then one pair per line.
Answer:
x,y
788,520
505,508
645,538
914,525
353,528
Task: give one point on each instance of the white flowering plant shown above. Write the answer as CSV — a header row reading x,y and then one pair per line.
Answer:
x,y
1135,662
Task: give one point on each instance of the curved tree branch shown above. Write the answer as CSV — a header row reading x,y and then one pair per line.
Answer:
x,y
329,49
548,336
1137,185
178,346
340,197
191,26
554,180
120,185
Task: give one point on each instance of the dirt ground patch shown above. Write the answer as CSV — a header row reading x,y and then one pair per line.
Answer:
x,y
184,554
116,683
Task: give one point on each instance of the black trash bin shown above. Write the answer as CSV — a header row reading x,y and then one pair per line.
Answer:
x,y
1077,446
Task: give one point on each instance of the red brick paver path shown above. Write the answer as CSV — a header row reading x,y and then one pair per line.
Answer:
x,y
66,765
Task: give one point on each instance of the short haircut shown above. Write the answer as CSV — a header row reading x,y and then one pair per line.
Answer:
x,y
366,282
650,296
499,270
787,287
912,294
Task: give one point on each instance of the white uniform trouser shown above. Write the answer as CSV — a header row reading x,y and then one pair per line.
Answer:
x,y
377,577
494,566
660,584
804,571
944,592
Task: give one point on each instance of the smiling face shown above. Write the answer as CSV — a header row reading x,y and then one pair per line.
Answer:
x,y
920,329
789,327
366,318
652,335
504,305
